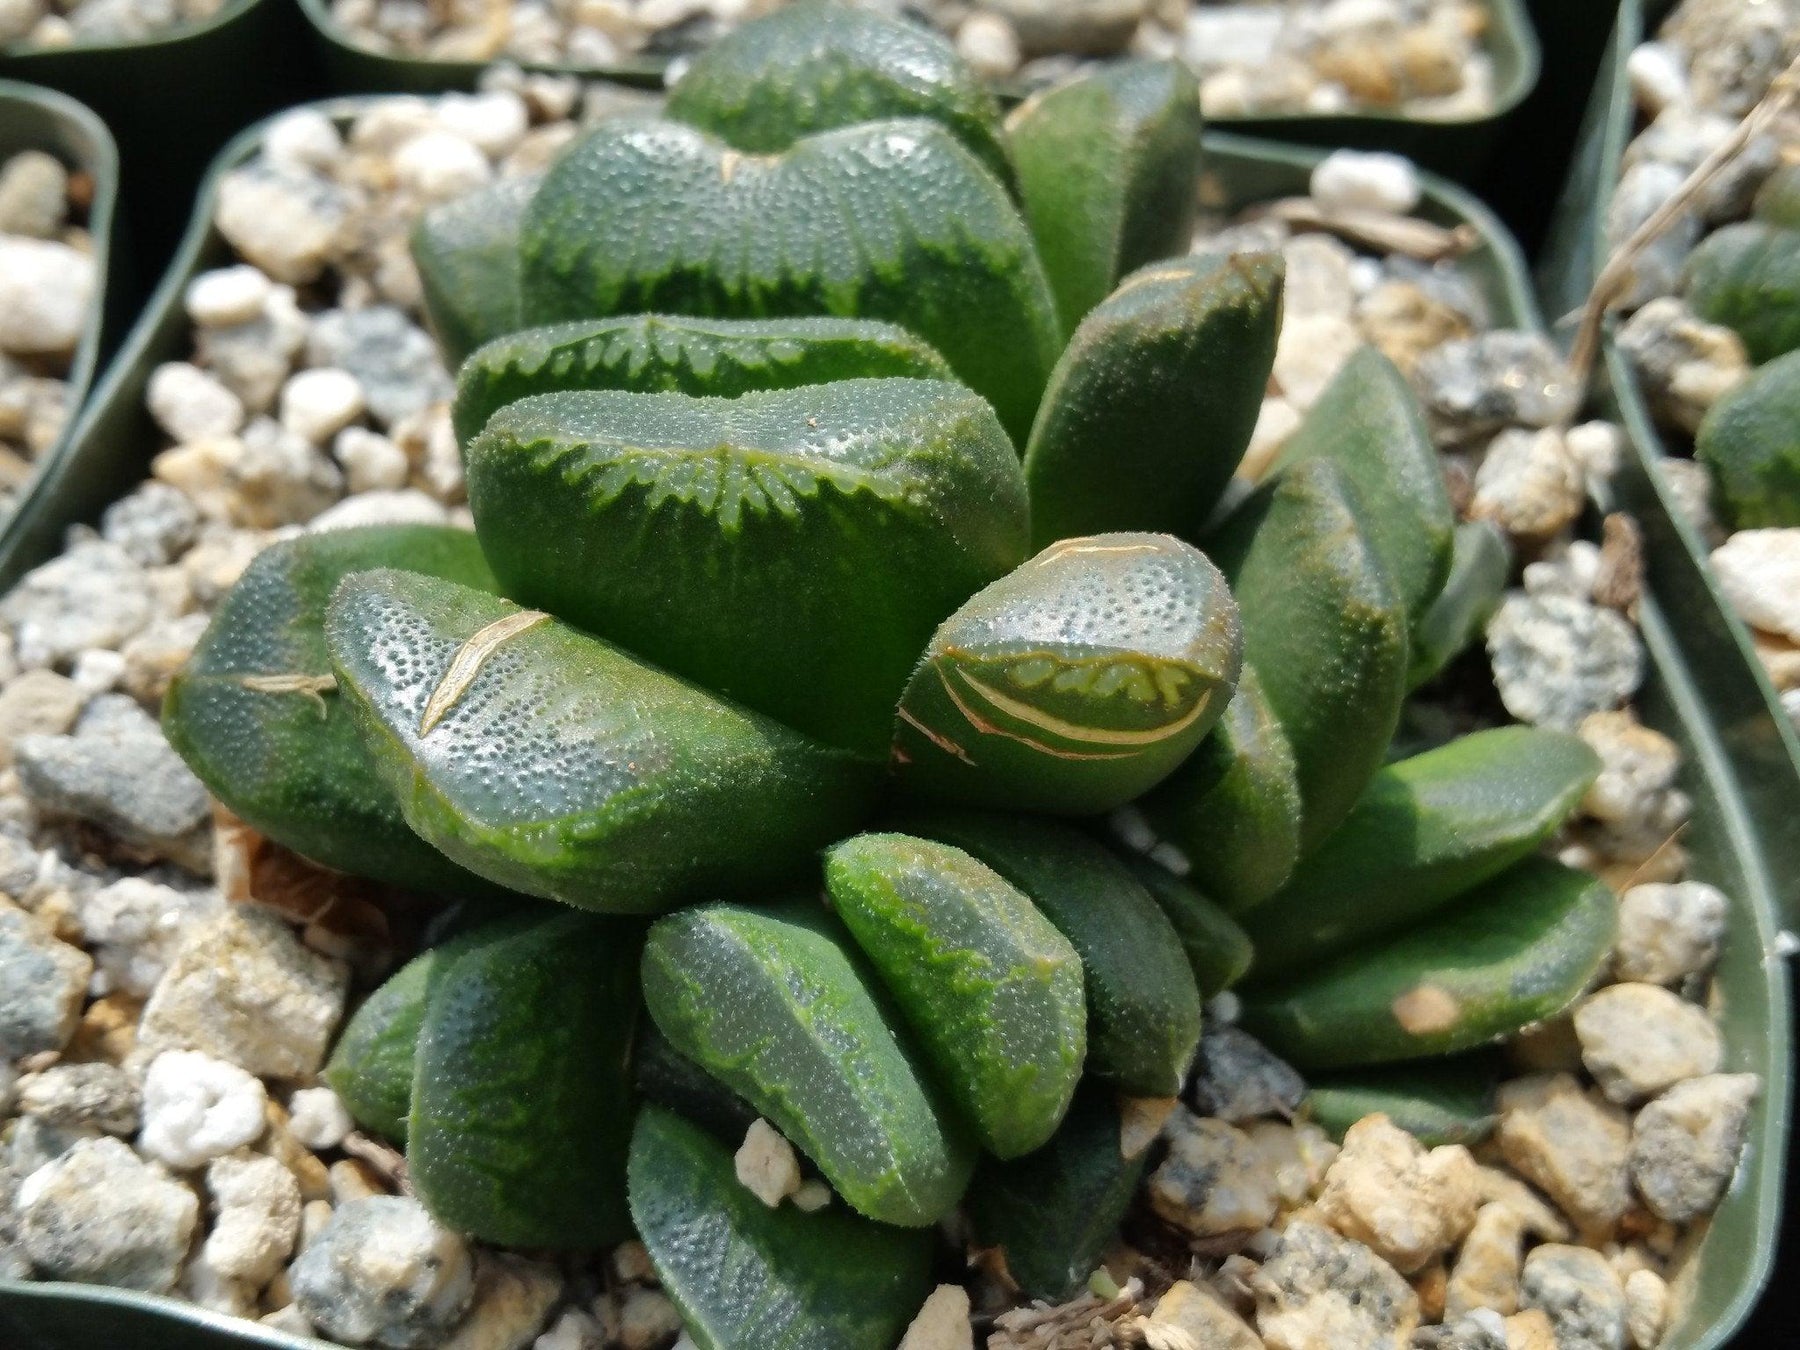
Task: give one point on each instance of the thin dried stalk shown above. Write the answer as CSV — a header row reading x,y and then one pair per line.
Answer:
x,y
1407,235
314,687
469,660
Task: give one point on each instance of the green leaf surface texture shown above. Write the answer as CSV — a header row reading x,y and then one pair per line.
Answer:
x,y
467,253
1750,439
1747,277
1218,949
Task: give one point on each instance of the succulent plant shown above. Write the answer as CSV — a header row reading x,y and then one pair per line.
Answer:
x,y
765,409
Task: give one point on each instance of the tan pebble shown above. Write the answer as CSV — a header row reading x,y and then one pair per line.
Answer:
x,y
1213,1182
1646,1308
1639,1039
1431,1285
1572,1145
1387,1191
766,1164
1205,1320
314,1215
354,1179
1141,1119
279,1143
1432,62
1530,1330
1486,1274
646,1319
631,1263
107,1031
942,1323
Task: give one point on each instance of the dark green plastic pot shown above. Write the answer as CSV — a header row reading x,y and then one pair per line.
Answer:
x,y
1457,148
40,119
1725,839
173,99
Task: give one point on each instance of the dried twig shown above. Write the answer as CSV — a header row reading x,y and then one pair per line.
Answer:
x,y
1783,95
388,1162
1407,235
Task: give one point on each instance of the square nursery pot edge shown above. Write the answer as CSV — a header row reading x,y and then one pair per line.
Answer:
x,y
1725,840
1459,148
42,119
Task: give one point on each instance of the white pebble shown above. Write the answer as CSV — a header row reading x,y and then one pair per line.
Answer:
x,y
1759,572
766,1164
989,43
440,165
97,671
46,291
303,139
228,296
494,123
370,461
317,1118
943,1323
317,404
1354,180
1658,76
197,1108
258,1204
191,405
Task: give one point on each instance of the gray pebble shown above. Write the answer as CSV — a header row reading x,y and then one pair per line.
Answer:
x,y
382,1272
95,1096
1475,386
155,524
394,359
42,980
1685,1144
1239,1079
1557,660
101,1215
1576,1288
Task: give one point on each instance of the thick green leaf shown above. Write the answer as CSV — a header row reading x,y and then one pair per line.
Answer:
x,y
747,1277
1109,171
1750,439
886,220
990,989
1218,949
1778,199
521,1110
1325,629
1445,1101
1143,1005
1368,422
254,714
1517,950
791,549
1153,401
1074,683
467,253
671,1080
814,67
371,1066
1425,830
1747,277
1234,808
557,765
1053,1213
775,1004
1480,563
664,353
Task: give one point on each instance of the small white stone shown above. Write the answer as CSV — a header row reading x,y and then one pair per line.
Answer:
x,y
989,42
383,1271
289,223
317,1118
942,1323
370,461
317,404
440,165
1528,484
228,296
191,405
1557,660
1658,76
1668,931
1309,352
46,295
1759,572
409,506
1646,1308
1598,448
1355,180
1639,1039
1638,765
1572,574
258,1205
101,1215
1318,277
303,139
574,1330
813,1196
767,1165
1320,1291
197,1108
493,122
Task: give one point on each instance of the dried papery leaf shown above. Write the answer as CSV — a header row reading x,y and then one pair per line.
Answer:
x,y
469,660
314,687
1377,230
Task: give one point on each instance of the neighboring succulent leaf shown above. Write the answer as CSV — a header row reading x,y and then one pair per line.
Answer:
x,y
808,68
1750,439
521,1110
1109,171
557,765
671,1080
1517,950
1053,1213
1747,277
773,1003
1778,199
1368,422
1325,630
990,989
792,549
886,220
1143,1006
1480,563
1424,831
371,1066
467,253
1218,949
1074,683
255,713
1233,809
747,1277
1448,1101
664,353
1153,401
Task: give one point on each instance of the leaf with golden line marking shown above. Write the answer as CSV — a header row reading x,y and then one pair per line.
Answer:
x,y
1074,683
